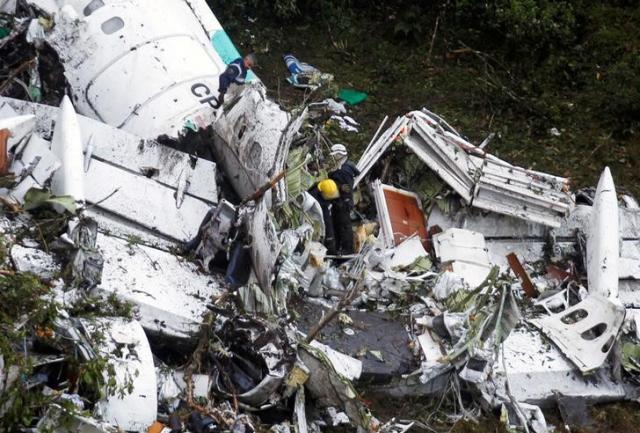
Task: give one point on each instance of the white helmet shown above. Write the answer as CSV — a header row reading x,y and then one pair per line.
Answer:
x,y
338,150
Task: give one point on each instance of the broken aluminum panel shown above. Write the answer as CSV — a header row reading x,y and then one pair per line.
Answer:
x,y
103,142
407,253
8,6
36,160
120,227
36,261
377,148
536,370
431,350
459,244
201,383
299,412
216,232
522,416
603,240
66,144
169,293
585,332
265,246
59,420
126,347
21,128
331,389
522,193
143,201
446,159
482,181
399,213
345,365
6,111
629,293
465,253
472,274
282,153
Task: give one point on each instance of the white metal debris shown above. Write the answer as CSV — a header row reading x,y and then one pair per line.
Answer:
x,y
169,293
66,145
465,252
36,261
585,332
126,347
131,152
405,254
536,370
603,240
116,183
20,127
482,180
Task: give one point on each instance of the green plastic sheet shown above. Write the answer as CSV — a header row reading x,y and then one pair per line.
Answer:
x,y
352,96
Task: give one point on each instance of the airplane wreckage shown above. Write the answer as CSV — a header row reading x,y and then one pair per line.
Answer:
x,y
487,286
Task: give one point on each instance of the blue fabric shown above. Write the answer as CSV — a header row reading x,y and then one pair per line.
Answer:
x,y
293,64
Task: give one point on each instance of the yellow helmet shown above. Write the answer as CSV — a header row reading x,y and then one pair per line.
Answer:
x,y
328,189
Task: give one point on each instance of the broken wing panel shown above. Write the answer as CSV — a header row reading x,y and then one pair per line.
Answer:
x,y
105,142
143,201
170,294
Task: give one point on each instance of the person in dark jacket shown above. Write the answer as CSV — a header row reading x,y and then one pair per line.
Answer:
x,y
344,176
236,72
326,193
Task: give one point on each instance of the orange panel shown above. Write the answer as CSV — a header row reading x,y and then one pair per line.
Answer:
x,y
406,216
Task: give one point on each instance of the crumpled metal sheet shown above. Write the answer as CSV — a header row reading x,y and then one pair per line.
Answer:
x,y
331,389
265,245
257,358
585,332
482,180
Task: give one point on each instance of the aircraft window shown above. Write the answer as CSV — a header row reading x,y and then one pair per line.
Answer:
x,y
112,25
93,6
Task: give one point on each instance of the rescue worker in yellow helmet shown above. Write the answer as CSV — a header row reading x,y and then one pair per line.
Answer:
x,y
326,192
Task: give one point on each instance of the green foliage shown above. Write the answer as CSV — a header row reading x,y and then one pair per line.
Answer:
x,y
24,309
525,25
99,306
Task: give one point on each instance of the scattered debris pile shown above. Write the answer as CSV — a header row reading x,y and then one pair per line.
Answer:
x,y
144,287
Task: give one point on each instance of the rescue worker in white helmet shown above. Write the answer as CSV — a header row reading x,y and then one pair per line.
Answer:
x,y
344,176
